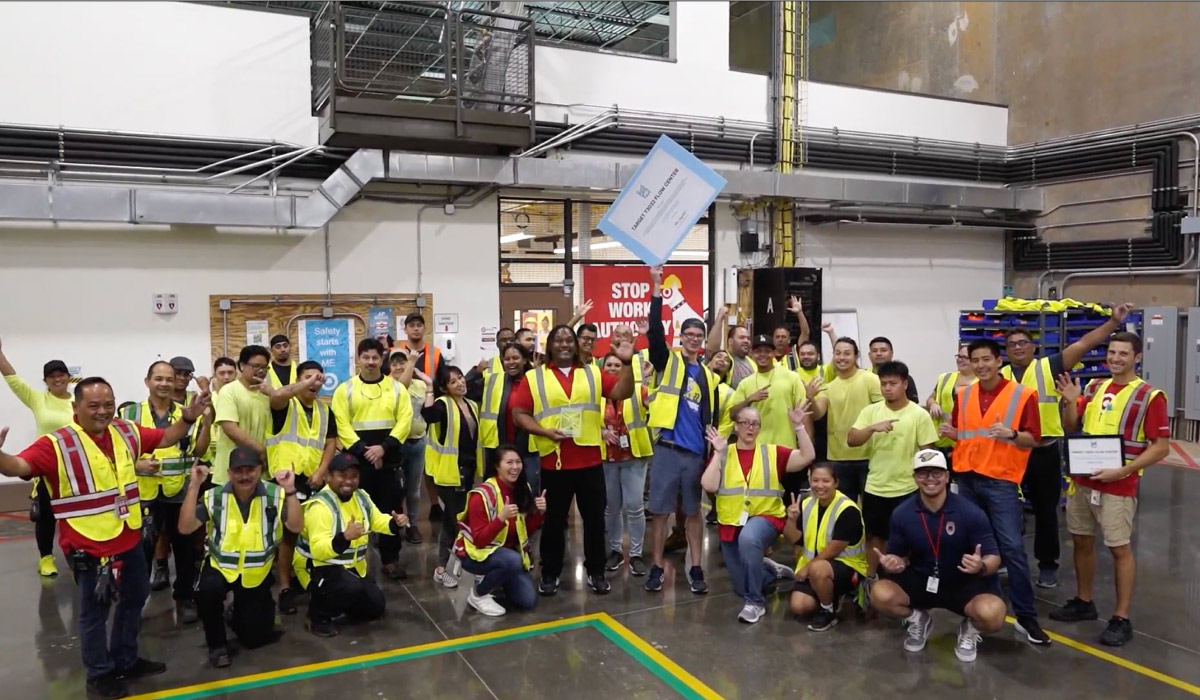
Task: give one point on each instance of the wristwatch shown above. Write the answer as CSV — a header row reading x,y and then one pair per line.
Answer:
x,y
1015,434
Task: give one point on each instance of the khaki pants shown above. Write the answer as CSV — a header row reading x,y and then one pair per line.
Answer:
x,y
1113,516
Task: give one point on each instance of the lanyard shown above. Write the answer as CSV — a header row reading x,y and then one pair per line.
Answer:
x,y
935,547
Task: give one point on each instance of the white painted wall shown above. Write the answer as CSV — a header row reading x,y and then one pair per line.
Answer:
x,y
85,295
164,67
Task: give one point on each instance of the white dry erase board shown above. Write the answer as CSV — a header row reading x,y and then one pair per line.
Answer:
x,y
845,323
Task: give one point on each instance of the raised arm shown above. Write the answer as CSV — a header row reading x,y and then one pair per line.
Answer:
x,y
710,480
580,313
188,522
716,334
1070,390
655,338
190,414
797,307
1074,352
12,465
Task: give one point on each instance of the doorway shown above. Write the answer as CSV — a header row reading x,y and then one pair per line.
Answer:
x,y
537,308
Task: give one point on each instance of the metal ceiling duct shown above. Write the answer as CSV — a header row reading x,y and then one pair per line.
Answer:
x,y
140,204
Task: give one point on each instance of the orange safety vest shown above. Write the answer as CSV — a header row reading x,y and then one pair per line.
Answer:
x,y
432,359
975,450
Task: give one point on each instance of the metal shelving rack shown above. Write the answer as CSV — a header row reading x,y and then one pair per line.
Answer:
x,y
1051,330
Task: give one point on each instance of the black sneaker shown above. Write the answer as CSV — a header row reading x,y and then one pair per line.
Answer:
x,y
1033,632
614,561
412,535
599,584
395,571
1118,633
219,657
142,668
185,612
548,585
161,576
696,581
107,686
711,518
287,601
321,628
637,566
822,620
655,581
1075,610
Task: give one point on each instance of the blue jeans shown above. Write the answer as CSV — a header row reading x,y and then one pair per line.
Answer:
x,y
412,461
625,484
998,500
102,654
744,559
503,569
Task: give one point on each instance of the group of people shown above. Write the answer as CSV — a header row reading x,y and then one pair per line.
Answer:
x,y
896,504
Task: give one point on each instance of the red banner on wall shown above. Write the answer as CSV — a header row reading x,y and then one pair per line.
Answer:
x,y
621,294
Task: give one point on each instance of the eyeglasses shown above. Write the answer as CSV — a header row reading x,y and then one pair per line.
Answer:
x,y
1019,343
256,366
962,358
930,474
587,339
694,336
749,423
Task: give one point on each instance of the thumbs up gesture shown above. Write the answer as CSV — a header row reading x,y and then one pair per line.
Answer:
x,y
354,530
510,511
539,501
972,562
890,562
400,519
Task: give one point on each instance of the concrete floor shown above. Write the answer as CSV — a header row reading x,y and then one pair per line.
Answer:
x,y
641,645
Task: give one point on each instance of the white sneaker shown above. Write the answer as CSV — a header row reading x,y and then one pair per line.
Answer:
x,y
919,625
780,571
751,613
968,640
445,578
485,604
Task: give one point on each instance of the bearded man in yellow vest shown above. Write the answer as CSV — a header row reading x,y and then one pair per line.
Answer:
x,y
162,490
89,467
245,520
1106,500
1042,483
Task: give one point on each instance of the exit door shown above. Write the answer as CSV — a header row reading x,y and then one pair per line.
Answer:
x,y
536,308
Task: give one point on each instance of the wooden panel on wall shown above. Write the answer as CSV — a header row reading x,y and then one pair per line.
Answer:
x,y
282,312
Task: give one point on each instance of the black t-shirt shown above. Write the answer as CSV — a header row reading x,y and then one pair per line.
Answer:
x,y
848,528
279,419
284,372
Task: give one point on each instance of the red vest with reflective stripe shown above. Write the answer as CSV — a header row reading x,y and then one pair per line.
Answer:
x,y
92,488
975,451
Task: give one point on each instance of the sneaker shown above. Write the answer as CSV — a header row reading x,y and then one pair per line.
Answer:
x,y
485,604
599,584
614,561
1047,578
142,668
1118,633
445,578
412,535
321,628
919,625
47,567
185,612
778,571
751,613
287,601
1002,571
637,566
1033,632
548,585
160,578
968,640
711,518
107,686
655,581
395,571
219,657
822,620
1075,610
696,581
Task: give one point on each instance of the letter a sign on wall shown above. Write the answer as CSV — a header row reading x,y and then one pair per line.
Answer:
x,y
667,194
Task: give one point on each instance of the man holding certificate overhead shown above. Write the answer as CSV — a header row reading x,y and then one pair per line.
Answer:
x,y
1134,415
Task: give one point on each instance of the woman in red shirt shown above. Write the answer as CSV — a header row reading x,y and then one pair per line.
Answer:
x,y
494,530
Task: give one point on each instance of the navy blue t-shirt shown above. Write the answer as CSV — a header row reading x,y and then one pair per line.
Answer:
x,y
689,430
962,525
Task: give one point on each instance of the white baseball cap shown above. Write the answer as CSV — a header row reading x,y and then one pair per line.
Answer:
x,y
929,459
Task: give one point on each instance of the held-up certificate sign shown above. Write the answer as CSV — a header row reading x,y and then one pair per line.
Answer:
x,y
667,194
1091,453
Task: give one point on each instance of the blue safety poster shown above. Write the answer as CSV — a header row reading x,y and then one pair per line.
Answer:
x,y
329,342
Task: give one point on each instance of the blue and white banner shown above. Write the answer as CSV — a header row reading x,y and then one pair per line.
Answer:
x,y
381,321
331,343
667,194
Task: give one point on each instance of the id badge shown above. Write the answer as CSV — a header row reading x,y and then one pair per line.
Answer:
x,y
743,518
1095,499
931,585
624,442
953,487
122,505
570,422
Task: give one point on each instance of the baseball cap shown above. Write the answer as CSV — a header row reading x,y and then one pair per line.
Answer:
x,y
344,460
244,457
761,340
182,364
929,459
279,338
413,317
54,366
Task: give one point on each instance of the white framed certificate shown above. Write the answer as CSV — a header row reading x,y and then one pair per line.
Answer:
x,y
1090,453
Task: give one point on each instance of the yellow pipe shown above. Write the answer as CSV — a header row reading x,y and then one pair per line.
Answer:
x,y
784,225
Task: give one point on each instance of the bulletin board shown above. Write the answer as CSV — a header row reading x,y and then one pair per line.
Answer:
x,y
283,313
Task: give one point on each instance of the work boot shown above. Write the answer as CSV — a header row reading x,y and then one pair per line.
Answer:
x,y
107,686
321,628
219,657
142,668
676,541
287,601
185,612
395,571
160,578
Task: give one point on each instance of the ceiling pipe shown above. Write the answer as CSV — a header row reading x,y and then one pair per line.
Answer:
x,y
1183,269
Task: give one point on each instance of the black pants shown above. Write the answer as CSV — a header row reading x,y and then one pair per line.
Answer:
x,y
43,528
586,486
183,548
253,610
453,501
1042,485
336,590
384,487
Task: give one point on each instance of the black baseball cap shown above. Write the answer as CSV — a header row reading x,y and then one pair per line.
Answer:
x,y
414,317
244,457
54,366
182,364
279,338
344,460
761,340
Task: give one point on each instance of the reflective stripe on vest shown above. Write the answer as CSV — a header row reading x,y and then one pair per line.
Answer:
x,y
397,389
592,404
448,446
85,499
237,560
353,554
291,429
764,453
1133,414
1009,416
840,503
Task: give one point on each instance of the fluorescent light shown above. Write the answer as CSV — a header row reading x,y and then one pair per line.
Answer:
x,y
514,237
596,246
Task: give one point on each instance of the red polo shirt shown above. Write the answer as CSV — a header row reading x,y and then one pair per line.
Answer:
x,y
1029,422
571,455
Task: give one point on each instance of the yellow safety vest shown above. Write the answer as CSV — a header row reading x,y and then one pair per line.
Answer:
x,y
239,547
725,424
301,443
550,402
757,493
1039,378
489,409
276,382
441,451
359,507
818,535
943,393
489,491
1125,417
635,415
807,375
665,408
496,367
92,490
373,408
174,461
